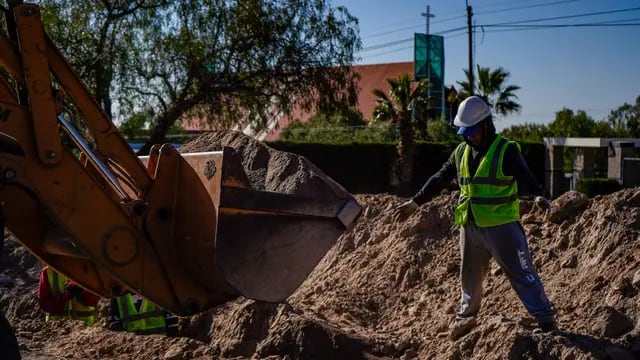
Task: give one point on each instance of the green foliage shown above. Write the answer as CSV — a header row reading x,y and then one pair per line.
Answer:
x,y
625,120
101,39
137,129
398,108
342,125
491,86
566,124
570,124
376,132
402,99
441,131
598,186
133,127
533,133
225,62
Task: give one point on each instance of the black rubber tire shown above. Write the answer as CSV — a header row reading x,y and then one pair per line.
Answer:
x,y
8,342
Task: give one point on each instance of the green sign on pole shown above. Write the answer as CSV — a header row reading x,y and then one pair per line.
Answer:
x,y
432,55
428,63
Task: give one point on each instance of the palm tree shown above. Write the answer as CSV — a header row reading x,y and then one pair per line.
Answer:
x,y
397,108
492,88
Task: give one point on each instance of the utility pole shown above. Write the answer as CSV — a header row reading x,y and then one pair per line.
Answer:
x,y
469,15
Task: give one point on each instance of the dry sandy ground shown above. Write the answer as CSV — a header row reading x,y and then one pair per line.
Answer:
x,y
389,290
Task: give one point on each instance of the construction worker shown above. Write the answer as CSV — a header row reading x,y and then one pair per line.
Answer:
x,y
133,313
61,298
490,171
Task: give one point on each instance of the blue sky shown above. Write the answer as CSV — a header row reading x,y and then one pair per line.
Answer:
x,y
590,68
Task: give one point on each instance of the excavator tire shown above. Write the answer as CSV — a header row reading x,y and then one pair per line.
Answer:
x,y
8,342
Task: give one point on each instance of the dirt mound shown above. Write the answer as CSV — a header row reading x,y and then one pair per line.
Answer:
x,y
389,290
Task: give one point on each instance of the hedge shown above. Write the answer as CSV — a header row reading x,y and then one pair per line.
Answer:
x,y
598,186
369,168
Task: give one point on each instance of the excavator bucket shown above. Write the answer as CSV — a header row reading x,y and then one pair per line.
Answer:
x,y
264,243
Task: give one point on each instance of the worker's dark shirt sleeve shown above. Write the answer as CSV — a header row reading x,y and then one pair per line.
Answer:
x,y
437,182
515,165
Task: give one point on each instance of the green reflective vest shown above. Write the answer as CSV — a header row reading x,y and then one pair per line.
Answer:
x,y
491,196
149,320
73,309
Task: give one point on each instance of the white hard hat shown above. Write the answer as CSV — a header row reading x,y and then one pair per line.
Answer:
x,y
470,112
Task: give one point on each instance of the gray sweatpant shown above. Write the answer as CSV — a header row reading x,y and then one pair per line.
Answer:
x,y
507,244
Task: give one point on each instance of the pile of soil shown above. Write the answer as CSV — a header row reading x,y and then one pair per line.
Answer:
x,y
390,290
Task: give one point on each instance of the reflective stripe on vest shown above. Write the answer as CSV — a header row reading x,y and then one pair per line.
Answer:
x,y
149,320
56,282
491,196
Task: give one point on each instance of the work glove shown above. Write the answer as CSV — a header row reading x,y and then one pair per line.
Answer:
x,y
542,203
405,210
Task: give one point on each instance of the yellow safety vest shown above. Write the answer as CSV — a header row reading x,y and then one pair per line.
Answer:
x,y
57,284
491,196
149,320
79,311
73,309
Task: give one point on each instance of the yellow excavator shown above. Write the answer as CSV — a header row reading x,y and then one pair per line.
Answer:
x,y
186,231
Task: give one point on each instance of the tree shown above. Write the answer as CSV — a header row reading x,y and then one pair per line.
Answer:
x,y
492,87
625,120
331,125
527,133
578,124
570,124
97,37
442,131
397,108
222,62
339,125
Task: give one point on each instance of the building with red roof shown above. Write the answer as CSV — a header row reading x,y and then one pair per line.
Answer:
x,y
372,76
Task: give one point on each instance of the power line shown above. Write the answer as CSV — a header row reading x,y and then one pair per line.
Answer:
x,y
410,27
550,26
569,16
396,42
456,17
390,51
485,5
520,25
392,31
526,7
384,45
515,27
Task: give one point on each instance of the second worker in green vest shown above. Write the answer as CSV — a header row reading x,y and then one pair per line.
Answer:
x,y
133,313
490,171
